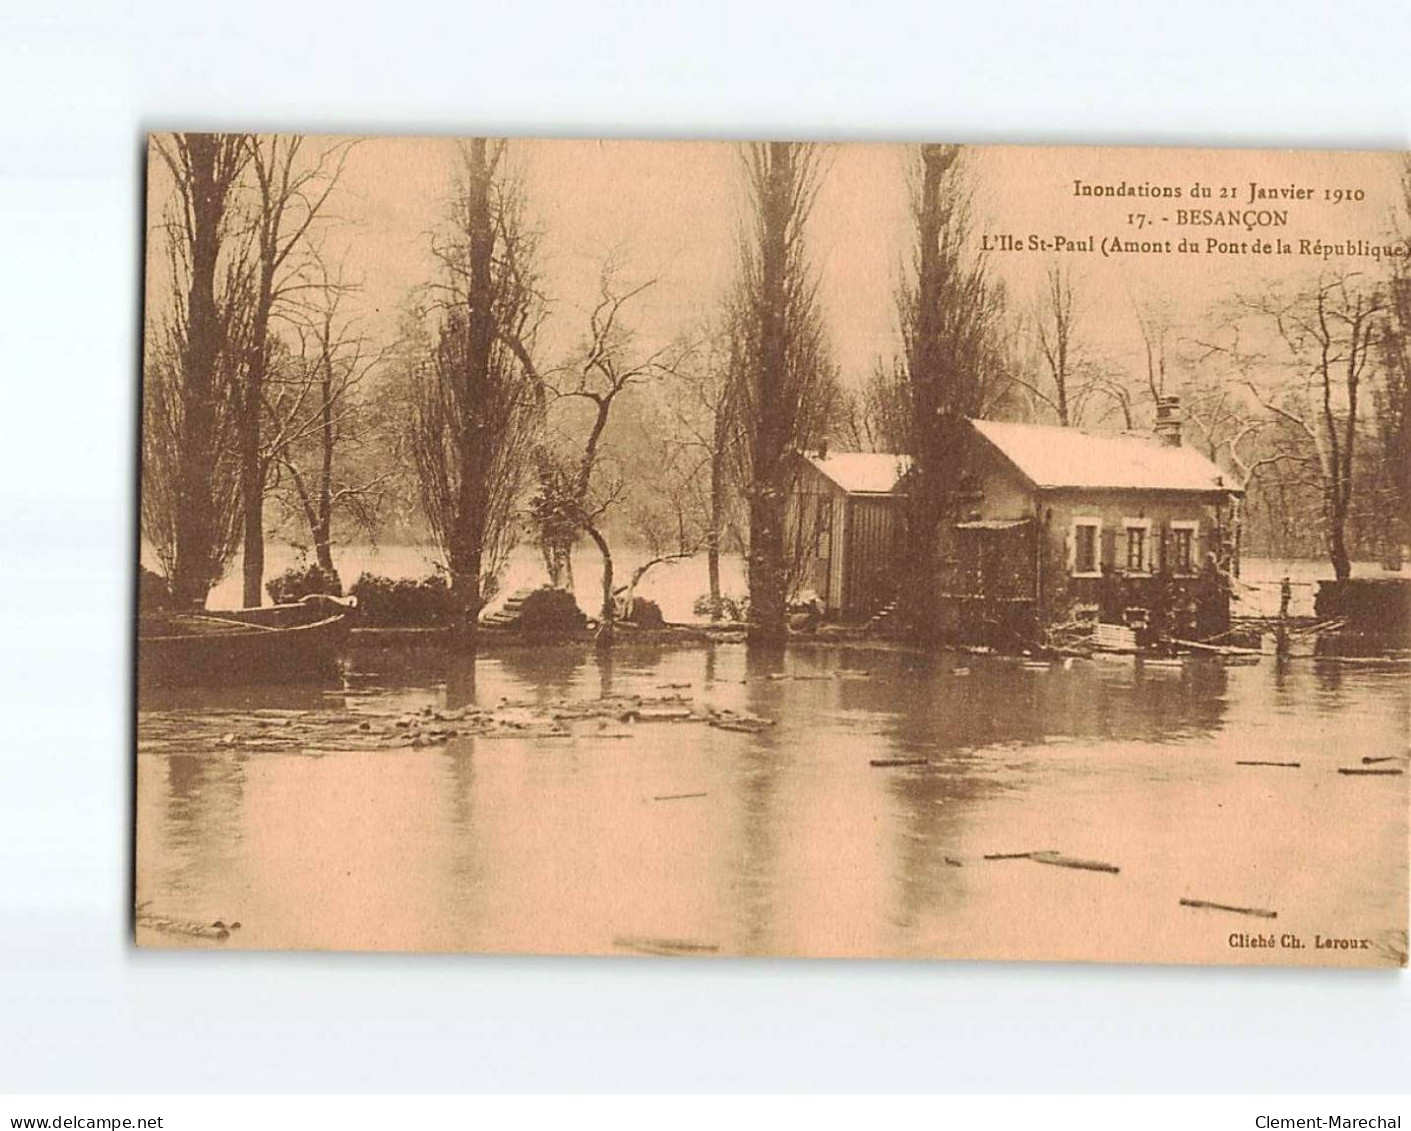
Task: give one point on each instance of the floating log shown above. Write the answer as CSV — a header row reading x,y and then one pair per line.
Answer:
x,y
1374,761
664,946
1061,861
886,762
1217,649
1008,855
678,796
1208,905
657,715
1250,762
1358,772
744,724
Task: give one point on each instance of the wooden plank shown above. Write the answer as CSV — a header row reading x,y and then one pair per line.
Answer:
x,y
1206,904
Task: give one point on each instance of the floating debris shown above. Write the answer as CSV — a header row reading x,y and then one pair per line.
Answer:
x,y
1209,906
1253,762
678,796
738,721
216,931
193,731
1059,860
888,762
664,714
664,947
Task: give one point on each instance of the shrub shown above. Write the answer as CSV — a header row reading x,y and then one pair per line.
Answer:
x,y
298,582
731,608
551,610
153,593
646,614
409,603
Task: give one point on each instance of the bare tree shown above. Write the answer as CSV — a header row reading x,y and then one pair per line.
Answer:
x,y
290,192
1154,322
320,419
1055,316
475,403
951,313
190,500
875,416
783,378
581,490
671,521
702,437
1329,333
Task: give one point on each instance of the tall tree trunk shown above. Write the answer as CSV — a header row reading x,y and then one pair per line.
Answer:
x,y
252,467
323,532
717,507
608,617
926,497
194,567
470,508
768,574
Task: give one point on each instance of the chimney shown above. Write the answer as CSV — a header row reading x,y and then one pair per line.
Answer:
x,y
1168,421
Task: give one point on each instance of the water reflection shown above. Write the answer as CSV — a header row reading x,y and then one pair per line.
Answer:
x,y
790,840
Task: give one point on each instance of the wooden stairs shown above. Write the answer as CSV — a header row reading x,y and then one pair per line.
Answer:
x,y
883,620
507,615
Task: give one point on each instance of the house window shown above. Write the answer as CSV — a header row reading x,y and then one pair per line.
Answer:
x,y
1138,544
1087,541
1183,536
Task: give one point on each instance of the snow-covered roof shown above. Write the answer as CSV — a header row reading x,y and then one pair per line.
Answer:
x,y
1050,456
862,473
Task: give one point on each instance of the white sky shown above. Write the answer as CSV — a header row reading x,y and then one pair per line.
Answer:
x,y
672,209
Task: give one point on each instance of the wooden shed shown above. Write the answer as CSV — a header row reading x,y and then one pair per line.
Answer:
x,y
843,529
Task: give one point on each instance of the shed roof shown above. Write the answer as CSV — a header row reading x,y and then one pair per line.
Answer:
x,y
863,473
1049,456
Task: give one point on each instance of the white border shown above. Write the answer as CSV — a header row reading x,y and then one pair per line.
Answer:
x,y
80,1010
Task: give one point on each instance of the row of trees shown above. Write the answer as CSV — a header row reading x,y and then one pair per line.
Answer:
x,y
252,374
260,387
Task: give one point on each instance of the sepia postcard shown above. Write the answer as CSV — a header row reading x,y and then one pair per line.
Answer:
x,y
775,549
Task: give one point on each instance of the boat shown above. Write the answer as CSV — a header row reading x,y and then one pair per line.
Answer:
x,y
300,641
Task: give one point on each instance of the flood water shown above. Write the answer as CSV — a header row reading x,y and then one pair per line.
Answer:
x,y
679,838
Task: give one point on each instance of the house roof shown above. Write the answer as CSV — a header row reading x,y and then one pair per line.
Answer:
x,y
1049,456
862,473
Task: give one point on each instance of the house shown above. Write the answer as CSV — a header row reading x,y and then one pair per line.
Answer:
x,y
1062,526
843,522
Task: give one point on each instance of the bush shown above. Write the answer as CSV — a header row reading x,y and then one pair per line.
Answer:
x,y
646,614
551,610
153,593
731,608
409,603
298,582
